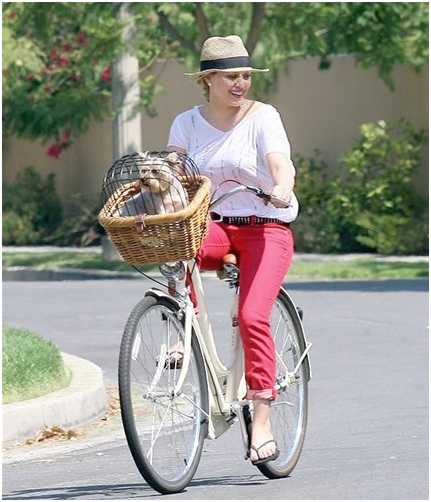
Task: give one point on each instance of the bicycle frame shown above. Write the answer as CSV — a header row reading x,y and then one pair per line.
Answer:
x,y
226,385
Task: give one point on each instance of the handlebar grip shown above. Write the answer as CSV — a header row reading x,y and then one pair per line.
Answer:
x,y
273,198
280,201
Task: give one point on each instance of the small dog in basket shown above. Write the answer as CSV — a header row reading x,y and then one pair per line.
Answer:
x,y
160,191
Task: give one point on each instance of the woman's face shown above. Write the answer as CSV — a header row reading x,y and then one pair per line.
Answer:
x,y
231,88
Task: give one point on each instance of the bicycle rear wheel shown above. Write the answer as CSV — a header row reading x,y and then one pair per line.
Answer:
x,y
165,431
289,410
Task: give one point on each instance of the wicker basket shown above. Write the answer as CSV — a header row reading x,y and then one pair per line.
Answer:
x,y
164,237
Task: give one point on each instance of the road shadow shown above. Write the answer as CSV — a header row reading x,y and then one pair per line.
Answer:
x,y
125,491
378,286
236,481
85,492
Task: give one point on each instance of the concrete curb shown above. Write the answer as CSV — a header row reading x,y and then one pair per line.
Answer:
x,y
83,400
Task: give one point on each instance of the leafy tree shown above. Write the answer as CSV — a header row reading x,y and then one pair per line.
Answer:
x,y
381,34
57,67
58,56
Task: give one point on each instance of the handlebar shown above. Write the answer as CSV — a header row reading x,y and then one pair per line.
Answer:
x,y
247,188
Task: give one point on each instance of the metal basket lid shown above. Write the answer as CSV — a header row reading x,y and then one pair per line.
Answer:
x,y
155,181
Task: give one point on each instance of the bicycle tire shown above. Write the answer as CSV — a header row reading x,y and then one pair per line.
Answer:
x,y
289,411
165,432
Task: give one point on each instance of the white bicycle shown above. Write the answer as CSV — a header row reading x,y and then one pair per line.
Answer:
x,y
170,405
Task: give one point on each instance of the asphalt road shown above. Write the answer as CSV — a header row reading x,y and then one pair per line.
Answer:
x,y
367,436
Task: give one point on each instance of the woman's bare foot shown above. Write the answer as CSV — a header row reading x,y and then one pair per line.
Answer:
x,y
262,440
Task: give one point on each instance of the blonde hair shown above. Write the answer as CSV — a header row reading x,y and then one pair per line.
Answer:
x,y
201,81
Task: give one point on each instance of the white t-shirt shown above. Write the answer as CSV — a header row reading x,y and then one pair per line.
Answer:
x,y
238,154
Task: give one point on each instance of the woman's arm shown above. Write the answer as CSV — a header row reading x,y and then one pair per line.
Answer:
x,y
282,172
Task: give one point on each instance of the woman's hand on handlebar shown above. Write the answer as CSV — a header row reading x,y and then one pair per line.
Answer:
x,y
280,196
283,178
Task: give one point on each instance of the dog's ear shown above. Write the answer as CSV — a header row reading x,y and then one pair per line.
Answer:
x,y
144,155
173,158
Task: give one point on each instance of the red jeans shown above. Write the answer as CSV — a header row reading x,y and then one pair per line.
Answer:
x,y
264,253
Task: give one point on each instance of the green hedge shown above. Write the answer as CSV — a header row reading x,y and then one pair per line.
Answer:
x,y
370,204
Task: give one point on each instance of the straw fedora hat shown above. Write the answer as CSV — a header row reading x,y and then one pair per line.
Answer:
x,y
226,54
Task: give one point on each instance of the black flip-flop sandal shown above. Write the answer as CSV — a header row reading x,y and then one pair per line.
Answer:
x,y
261,461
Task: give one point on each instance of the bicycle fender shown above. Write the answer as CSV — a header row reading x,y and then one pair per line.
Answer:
x,y
157,293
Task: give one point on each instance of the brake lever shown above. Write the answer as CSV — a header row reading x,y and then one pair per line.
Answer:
x,y
285,203
271,198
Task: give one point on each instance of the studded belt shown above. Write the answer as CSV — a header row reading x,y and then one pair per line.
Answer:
x,y
247,220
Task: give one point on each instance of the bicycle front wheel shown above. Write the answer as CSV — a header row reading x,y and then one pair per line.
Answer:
x,y
165,429
290,408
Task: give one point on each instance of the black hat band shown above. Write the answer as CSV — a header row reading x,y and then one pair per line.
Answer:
x,y
226,63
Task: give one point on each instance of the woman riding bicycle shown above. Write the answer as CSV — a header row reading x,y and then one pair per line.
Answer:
x,y
233,138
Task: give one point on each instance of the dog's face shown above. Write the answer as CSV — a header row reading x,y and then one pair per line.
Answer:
x,y
155,175
157,189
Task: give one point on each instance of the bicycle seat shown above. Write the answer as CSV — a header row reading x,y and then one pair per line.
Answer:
x,y
229,261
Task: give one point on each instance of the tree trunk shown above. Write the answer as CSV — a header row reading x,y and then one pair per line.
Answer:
x,y
125,90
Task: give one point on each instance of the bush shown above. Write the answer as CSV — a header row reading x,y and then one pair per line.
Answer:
x,y
31,209
378,200
315,230
82,229
372,205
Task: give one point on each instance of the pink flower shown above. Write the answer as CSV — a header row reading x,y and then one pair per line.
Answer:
x,y
54,151
106,74
81,38
63,61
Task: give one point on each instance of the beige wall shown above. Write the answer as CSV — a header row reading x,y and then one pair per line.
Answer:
x,y
321,110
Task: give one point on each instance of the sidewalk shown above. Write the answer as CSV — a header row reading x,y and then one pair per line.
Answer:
x,y
82,401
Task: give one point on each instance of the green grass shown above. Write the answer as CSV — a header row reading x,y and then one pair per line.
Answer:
x,y
357,269
62,259
31,366
367,268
